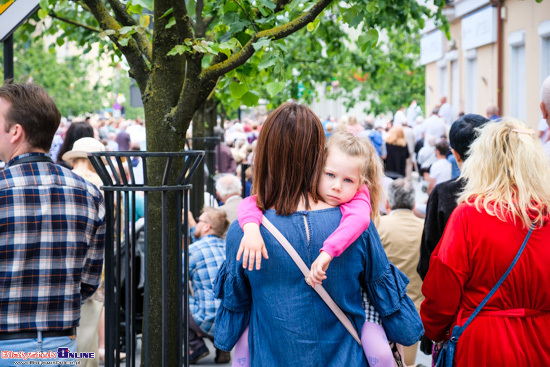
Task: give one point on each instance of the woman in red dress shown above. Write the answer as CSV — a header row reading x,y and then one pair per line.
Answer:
x,y
507,190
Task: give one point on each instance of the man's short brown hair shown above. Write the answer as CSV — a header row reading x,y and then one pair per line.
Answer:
x,y
217,219
33,109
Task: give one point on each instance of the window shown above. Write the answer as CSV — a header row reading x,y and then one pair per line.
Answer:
x,y
471,85
544,33
518,92
455,85
443,85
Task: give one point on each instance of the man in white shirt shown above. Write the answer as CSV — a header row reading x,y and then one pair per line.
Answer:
x,y
434,126
441,169
545,109
413,111
445,111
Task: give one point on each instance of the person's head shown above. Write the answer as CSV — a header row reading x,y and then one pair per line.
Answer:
x,y
350,162
507,173
396,136
435,110
76,130
463,132
289,159
401,195
443,99
441,149
211,221
228,185
29,119
491,110
81,148
545,100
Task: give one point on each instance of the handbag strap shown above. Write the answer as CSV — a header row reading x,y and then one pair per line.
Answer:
x,y
458,330
305,270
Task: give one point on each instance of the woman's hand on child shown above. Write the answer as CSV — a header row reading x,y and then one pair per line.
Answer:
x,y
252,247
318,269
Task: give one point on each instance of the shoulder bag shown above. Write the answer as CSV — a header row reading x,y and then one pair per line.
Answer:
x,y
447,352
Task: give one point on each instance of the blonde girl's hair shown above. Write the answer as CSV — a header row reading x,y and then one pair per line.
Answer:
x,y
507,174
371,168
396,136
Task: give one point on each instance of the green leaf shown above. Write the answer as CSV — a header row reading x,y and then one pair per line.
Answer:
x,y
108,32
250,99
237,90
371,6
274,88
167,12
134,9
230,6
171,23
267,62
147,4
42,14
264,41
125,30
44,4
123,41
178,50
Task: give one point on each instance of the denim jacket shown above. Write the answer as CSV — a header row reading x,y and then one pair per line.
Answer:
x,y
290,325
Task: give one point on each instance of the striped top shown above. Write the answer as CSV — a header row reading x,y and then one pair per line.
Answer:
x,y
52,238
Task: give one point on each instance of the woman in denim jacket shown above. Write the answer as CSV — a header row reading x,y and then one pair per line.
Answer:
x,y
290,325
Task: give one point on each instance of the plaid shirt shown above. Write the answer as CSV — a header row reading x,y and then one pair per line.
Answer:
x,y
52,237
206,257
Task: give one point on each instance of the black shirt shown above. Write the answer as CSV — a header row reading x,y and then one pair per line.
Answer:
x,y
441,203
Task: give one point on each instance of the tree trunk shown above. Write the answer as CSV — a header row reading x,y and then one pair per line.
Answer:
x,y
161,137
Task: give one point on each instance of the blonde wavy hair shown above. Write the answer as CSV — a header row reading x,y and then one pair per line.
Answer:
x,y
371,169
507,174
396,136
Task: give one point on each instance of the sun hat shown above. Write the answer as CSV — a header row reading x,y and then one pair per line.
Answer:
x,y
82,147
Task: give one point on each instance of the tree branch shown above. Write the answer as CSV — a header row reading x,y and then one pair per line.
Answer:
x,y
72,22
183,20
134,55
122,16
280,5
239,58
247,15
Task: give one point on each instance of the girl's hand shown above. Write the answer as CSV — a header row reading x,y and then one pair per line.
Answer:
x,y
319,268
252,247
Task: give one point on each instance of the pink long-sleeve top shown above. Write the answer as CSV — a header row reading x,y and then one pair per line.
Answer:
x,y
355,220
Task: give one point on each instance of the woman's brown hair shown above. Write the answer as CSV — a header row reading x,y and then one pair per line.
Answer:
x,y
289,159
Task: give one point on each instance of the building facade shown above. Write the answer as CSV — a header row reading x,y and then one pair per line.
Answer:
x,y
498,54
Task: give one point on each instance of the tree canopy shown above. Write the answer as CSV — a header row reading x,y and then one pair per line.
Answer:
x,y
183,52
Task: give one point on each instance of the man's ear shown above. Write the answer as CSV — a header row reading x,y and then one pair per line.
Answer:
x,y
457,156
17,134
544,111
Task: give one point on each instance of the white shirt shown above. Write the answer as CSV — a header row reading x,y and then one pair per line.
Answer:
x,y
398,118
434,126
445,111
412,112
441,171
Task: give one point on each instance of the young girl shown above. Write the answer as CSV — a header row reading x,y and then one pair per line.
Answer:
x,y
351,164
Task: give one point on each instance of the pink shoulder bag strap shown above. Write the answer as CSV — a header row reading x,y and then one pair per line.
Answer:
x,y
305,270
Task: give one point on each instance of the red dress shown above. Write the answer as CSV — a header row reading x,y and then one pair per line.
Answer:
x,y
476,249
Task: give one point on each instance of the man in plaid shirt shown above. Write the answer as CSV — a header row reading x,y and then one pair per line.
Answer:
x,y
52,230
206,256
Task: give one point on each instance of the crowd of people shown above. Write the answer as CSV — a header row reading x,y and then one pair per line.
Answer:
x,y
371,273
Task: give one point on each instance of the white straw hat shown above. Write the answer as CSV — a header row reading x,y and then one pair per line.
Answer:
x,y
82,147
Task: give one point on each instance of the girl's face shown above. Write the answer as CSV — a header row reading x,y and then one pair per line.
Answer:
x,y
341,177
